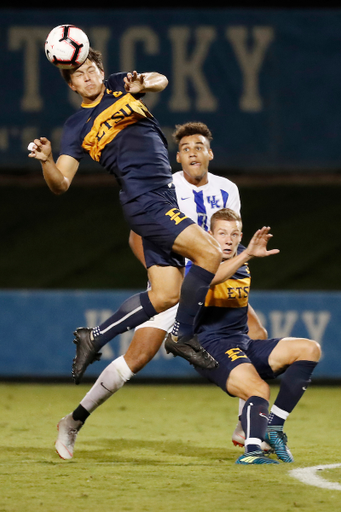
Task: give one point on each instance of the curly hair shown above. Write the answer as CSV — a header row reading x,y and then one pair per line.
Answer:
x,y
192,128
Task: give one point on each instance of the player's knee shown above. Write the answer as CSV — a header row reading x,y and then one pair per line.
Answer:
x,y
260,388
259,333
244,386
164,301
215,252
311,350
210,256
140,360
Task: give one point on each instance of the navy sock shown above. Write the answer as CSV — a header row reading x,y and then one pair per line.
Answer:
x,y
80,414
293,385
254,422
193,293
134,311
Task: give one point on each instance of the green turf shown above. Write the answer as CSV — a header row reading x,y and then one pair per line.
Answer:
x,y
158,448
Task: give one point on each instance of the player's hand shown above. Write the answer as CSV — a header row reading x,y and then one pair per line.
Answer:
x,y
41,150
134,82
258,244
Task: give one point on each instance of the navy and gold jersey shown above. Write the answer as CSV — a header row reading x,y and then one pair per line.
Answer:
x,y
226,306
120,133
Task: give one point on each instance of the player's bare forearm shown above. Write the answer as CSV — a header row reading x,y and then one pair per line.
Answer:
x,y
256,248
55,179
229,267
154,82
58,176
41,150
145,82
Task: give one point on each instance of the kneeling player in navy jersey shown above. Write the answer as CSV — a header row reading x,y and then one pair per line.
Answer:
x,y
117,130
244,363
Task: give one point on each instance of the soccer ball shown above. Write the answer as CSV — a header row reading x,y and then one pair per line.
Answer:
x,y
67,46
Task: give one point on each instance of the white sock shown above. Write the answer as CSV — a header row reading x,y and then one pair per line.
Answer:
x,y
115,375
241,406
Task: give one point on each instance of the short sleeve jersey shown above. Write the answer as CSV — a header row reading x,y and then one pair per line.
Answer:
x,y
120,133
200,203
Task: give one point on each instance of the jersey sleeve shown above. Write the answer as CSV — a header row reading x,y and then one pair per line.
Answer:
x,y
229,192
71,143
233,201
115,83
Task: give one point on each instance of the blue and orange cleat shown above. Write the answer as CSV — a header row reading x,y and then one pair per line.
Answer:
x,y
277,439
256,457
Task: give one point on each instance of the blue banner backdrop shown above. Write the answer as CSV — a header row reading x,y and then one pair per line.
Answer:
x,y
37,328
267,82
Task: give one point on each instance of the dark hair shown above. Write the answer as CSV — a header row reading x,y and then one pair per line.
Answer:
x,y
192,128
93,56
224,214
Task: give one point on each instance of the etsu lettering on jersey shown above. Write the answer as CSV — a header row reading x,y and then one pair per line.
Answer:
x,y
111,121
111,130
232,293
226,304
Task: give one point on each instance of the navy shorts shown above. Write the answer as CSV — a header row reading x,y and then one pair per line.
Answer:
x,y
233,350
156,217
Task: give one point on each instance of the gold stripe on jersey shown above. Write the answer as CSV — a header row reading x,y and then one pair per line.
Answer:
x,y
232,293
124,112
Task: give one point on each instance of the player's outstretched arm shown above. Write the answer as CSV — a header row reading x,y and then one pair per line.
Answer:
x,y
145,82
256,248
58,175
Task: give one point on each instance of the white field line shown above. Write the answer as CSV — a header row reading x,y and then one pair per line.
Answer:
x,y
310,476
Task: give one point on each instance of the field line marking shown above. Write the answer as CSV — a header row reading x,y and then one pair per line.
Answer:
x,y
309,476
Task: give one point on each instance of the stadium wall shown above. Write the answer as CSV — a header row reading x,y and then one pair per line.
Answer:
x,y
266,81
37,327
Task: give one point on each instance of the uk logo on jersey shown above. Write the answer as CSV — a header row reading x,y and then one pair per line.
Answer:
x,y
214,202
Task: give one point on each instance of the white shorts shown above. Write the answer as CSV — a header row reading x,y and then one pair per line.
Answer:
x,y
163,321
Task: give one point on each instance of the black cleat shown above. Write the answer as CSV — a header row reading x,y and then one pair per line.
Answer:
x,y
191,350
86,353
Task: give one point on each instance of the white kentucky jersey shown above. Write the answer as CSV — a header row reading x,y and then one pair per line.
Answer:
x,y
200,203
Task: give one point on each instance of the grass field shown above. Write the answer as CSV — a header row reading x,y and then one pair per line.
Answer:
x,y
158,448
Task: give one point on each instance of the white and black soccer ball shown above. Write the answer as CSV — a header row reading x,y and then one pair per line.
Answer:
x,y
67,46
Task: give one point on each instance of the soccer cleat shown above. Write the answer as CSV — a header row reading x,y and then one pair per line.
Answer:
x,y
86,353
277,439
256,457
238,439
191,350
238,436
68,429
